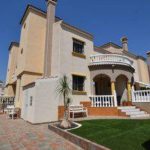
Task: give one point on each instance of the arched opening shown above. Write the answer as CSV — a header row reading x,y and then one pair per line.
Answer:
x,y
121,88
102,85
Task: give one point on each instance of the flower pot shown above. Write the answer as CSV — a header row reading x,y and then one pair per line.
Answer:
x,y
124,103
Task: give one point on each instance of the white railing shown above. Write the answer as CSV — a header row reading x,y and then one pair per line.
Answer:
x,y
103,100
141,96
7,100
110,59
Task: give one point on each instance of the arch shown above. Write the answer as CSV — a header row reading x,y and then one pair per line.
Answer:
x,y
102,84
121,88
101,75
124,76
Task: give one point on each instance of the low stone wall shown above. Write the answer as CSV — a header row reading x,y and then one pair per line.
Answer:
x,y
81,142
105,111
95,111
144,106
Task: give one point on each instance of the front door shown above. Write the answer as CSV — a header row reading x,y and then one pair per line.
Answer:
x,y
25,105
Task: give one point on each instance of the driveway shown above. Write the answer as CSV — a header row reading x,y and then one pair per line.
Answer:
x,y
20,135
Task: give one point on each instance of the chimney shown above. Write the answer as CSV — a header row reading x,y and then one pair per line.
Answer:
x,y
51,6
148,61
124,41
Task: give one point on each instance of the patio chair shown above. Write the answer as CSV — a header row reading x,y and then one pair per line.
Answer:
x,y
8,110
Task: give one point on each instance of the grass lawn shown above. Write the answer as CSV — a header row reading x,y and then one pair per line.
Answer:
x,y
117,134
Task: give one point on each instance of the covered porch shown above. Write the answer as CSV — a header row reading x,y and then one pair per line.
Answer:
x,y
111,80
111,93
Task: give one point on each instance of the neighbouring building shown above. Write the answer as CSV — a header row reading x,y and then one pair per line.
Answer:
x,y
1,88
101,76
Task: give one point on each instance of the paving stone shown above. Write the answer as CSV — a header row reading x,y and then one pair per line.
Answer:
x,y
20,135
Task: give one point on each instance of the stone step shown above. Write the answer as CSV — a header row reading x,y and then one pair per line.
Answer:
x,y
127,107
130,110
136,113
140,116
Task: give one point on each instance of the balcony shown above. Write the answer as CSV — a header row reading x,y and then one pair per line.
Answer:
x,y
110,59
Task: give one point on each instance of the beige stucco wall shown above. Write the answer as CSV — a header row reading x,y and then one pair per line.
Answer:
x,y
143,71
114,50
35,45
9,91
32,42
30,61
12,63
29,78
69,64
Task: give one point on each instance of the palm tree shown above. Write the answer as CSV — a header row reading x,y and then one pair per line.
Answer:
x,y
64,90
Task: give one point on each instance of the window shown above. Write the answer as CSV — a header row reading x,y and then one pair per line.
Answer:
x,y
24,26
31,100
78,83
22,51
78,46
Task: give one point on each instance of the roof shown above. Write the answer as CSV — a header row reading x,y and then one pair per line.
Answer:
x,y
110,44
101,50
13,44
43,13
130,54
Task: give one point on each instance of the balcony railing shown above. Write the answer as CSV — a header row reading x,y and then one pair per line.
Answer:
x,y
110,59
103,100
141,96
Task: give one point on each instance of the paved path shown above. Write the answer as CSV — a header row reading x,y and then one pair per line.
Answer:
x,y
20,135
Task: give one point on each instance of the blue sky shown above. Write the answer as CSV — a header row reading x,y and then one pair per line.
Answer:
x,y
107,20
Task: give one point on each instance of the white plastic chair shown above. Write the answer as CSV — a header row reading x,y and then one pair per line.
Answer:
x,y
10,110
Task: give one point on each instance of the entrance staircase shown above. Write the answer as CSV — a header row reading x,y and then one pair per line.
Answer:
x,y
134,112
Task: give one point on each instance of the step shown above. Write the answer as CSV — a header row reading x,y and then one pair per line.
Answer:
x,y
140,116
130,110
136,113
127,107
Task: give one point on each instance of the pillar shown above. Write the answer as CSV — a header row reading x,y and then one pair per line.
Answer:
x,y
17,96
113,91
129,91
51,4
113,87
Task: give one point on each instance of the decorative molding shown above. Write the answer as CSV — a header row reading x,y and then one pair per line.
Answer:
x,y
74,92
13,44
79,74
29,72
78,55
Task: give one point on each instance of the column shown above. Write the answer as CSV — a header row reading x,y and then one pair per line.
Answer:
x,y
129,91
113,87
113,91
51,4
17,96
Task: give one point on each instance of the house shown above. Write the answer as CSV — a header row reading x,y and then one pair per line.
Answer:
x,y
1,88
101,77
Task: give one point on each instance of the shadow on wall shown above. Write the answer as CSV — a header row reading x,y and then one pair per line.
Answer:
x,y
146,145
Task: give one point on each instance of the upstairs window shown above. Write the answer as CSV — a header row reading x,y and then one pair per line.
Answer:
x,y
78,46
78,83
22,51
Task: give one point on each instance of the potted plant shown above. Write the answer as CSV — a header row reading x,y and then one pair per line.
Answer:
x,y
129,103
124,103
64,90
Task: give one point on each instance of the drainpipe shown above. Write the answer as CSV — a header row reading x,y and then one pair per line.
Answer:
x,y
51,6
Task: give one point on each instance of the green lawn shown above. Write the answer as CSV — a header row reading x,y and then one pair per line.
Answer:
x,y
117,134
